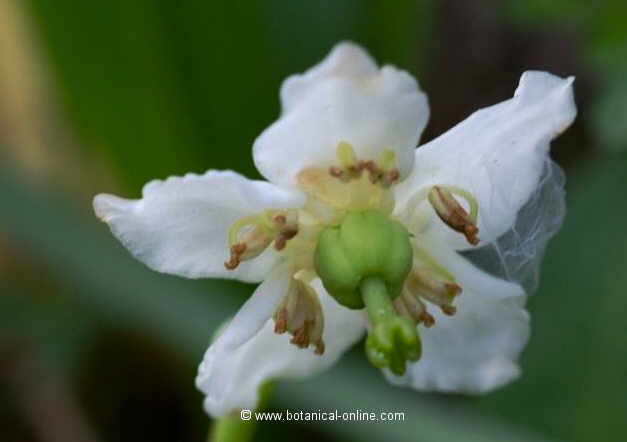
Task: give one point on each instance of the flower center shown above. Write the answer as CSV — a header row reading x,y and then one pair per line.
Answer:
x,y
346,235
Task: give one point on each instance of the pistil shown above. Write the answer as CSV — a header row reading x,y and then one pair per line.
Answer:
x,y
393,339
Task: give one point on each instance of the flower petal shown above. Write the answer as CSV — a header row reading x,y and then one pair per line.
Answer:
x,y
477,349
497,154
344,98
254,314
230,377
180,225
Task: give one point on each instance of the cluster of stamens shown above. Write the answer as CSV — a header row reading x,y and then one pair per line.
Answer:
x,y
251,236
426,284
301,315
382,172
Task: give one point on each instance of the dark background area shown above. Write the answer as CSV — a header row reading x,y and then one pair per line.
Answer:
x,y
104,96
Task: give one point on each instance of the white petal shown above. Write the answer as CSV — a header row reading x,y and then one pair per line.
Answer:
x,y
344,98
231,377
477,349
497,154
180,225
254,314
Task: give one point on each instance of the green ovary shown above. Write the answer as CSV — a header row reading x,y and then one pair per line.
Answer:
x,y
365,244
363,262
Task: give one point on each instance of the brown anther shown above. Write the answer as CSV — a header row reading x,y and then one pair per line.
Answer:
x,y
392,175
355,170
453,214
452,288
448,310
301,336
319,347
237,250
336,172
368,165
470,232
426,319
280,322
281,240
280,220
375,173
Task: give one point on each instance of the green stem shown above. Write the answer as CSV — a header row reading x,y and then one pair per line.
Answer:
x,y
232,429
235,429
378,303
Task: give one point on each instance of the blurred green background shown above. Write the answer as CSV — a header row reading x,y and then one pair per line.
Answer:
x,y
104,96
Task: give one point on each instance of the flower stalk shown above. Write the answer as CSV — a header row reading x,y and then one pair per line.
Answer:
x,y
233,428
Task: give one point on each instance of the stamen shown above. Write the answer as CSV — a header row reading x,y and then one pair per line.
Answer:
x,y
427,319
301,315
453,214
387,159
389,173
346,155
401,308
250,236
416,308
280,321
429,285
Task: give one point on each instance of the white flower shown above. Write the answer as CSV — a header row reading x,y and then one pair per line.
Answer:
x,y
346,141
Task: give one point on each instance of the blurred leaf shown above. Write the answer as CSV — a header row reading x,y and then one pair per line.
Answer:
x,y
163,88
117,85
611,103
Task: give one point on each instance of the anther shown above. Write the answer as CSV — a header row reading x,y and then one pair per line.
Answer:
x,y
453,214
280,321
391,176
414,308
319,347
427,319
237,250
281,240
448,310
336,172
